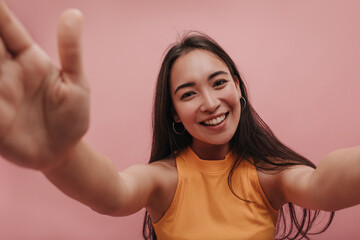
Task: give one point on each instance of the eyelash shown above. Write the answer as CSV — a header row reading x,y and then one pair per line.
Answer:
x,y
222,82
216,84
186,95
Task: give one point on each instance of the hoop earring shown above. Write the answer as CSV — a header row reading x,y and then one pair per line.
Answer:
x,y
244,102
178,133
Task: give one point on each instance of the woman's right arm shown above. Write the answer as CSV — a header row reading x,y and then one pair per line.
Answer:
x,y
91,178
45,113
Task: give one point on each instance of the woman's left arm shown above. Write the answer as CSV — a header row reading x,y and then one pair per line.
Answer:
x,y
333,185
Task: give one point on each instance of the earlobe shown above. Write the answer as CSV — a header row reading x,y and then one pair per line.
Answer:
x,y
176,118
237,84
177,124
175,115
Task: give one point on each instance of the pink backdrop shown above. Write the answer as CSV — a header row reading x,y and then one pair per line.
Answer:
x,y
299,58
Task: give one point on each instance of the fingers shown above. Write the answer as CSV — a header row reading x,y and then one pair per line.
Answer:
x,y
69,42
12,32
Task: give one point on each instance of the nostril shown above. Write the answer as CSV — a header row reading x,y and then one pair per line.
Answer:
x,y
210,105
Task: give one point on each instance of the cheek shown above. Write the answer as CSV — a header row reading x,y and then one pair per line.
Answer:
x,y
185,112
233,99
235,104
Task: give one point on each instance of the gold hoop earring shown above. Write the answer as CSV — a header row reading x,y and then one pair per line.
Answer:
x,y
244,102
174,128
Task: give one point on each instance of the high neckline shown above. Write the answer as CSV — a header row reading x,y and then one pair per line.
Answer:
x,y
209,166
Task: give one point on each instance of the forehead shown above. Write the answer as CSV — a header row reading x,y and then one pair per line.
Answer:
x,y
194,65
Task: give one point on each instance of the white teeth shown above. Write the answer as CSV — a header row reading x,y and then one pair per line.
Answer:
x,y
215,121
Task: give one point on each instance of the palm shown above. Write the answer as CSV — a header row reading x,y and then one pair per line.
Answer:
x,y
44,111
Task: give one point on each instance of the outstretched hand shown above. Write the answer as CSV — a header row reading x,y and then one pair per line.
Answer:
x,y
44,110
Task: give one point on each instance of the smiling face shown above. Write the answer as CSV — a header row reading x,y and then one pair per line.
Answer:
x,y
206,100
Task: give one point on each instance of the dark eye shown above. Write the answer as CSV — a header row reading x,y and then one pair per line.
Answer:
x,y
187,94
219,83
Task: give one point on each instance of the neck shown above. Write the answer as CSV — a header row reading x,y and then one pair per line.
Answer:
x,y
210,152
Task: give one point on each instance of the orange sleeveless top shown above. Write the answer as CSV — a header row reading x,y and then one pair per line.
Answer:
x,y
204,208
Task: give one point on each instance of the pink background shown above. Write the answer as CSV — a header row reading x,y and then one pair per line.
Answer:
x,y
299,58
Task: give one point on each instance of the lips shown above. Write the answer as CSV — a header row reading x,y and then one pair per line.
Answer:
x,y
215,121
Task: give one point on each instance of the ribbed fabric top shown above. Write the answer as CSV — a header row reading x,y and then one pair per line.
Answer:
x,y
204,207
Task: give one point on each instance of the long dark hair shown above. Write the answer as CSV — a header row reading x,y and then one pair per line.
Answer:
x,y
252,139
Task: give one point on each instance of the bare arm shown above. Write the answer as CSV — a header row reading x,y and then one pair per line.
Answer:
x,y
92,179
332,186
45,113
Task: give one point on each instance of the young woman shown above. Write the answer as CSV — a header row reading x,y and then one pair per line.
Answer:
x,y
216,171
202,115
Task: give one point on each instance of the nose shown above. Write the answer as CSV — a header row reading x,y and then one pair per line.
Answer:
x,y
209,103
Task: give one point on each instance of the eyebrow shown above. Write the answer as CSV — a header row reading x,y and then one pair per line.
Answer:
x,y
190,84
211,76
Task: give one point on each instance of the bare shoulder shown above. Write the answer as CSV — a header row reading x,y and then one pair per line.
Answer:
x,y
158,169
276,183
166,175
167,184
168,163
147,185
164,170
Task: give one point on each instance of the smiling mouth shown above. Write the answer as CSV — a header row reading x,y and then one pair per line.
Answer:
x,y
215,121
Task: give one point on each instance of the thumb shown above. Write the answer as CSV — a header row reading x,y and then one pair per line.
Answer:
x,y
69,41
